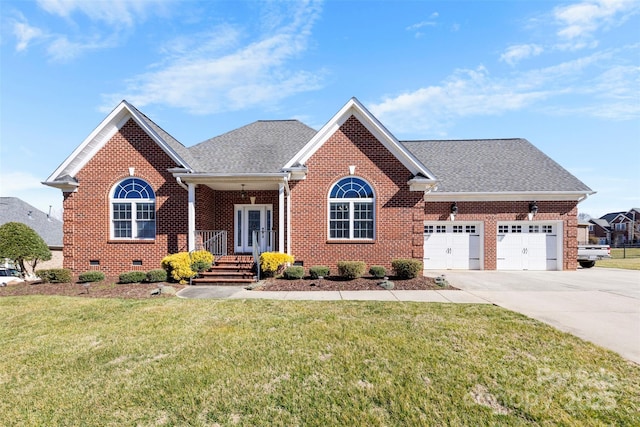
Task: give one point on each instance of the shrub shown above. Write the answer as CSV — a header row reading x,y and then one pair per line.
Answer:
x,y
132,277
157,275
55,275
179,267
406,268
377,271
294,272
91,276
201,260
318,271
351,269
272,262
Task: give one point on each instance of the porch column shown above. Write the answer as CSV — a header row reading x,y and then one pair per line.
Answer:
x,y
191,238
281,218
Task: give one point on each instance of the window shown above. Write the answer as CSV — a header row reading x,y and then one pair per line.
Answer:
x,y
351,210
621,226
133,210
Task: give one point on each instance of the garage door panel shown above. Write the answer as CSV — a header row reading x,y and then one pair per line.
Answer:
x,y
526,246
452,246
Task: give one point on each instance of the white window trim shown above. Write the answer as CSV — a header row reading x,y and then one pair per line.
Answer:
x,y
134,221
351,202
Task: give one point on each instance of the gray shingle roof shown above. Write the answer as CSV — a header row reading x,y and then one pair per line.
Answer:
x,y
175,145
13,209
496,165
264,146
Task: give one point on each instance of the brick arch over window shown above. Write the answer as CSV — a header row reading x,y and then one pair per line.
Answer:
x,y
133,210
351,210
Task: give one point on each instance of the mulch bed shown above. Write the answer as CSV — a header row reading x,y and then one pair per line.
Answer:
x,y
359,284
104,289
111,289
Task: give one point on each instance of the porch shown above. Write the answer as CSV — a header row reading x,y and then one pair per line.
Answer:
x,y
237,214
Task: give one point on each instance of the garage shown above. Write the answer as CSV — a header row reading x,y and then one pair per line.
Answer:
x,y
528,246
452,246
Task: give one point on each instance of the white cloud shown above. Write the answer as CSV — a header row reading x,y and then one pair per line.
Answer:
x,y
115,13
225,75
465,93
602,91
25,34
517,53
580,21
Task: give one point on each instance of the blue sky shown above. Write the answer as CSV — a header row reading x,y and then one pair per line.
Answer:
x,y
564,75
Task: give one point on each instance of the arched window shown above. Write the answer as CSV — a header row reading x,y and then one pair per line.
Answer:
x,y
351,213
133,210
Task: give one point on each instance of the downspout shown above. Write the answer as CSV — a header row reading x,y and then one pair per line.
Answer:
x,y
191,241
281,218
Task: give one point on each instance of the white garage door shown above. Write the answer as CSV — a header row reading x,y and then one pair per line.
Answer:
x,y
527,246
452,246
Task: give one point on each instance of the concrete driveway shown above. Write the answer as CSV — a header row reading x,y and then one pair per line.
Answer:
x,y
600,305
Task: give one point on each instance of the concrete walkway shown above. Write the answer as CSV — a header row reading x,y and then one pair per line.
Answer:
x,y
238,292
597,304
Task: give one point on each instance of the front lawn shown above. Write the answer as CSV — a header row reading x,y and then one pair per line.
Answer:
x,y
628,259
113,362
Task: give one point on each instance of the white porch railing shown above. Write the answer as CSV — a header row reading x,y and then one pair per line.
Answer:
x,y
214,241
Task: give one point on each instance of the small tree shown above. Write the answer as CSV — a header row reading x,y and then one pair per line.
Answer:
x,y
21,243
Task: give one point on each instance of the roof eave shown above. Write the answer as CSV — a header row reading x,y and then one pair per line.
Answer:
x,y
577,196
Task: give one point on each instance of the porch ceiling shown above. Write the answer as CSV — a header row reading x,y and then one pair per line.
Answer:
x,y
252,182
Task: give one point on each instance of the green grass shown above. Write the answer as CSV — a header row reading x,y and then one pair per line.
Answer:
x,y
112,362
618,260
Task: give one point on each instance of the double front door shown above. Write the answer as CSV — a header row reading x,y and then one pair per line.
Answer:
x,y
253,224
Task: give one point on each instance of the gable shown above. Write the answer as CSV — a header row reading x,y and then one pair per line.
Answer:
x,y
355,109
64,176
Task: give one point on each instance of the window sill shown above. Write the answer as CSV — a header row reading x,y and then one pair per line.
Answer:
x,y
354,241
131,241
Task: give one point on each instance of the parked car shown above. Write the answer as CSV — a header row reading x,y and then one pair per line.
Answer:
x,y
589,254
9,275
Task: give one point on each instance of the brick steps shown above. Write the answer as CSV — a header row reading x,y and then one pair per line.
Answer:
x,y
228,270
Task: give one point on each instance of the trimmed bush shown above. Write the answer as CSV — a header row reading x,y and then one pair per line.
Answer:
x,y
201,260
91,276
377,271
132,277
179,266
294,272
155,276
407,268
318,271
274,262
351,269
54,275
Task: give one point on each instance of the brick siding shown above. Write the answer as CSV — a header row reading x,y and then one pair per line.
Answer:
x,y
86,212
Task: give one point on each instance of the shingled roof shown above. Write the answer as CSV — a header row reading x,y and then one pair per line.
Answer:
x,y
13,209
493,165
263,146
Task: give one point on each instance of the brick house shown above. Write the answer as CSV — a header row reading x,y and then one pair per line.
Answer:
x,y
350,191
623,227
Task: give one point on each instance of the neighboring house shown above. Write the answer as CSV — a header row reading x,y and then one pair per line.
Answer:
x,y
624,227
13,209
599,231
350,191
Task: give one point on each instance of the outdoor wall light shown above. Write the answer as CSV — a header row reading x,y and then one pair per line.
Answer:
x,y
533,210
453,211
243,194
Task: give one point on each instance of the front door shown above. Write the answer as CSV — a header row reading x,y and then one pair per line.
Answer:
x,y
250,218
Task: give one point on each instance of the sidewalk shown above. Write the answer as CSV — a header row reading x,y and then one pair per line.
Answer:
x,y
239,292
